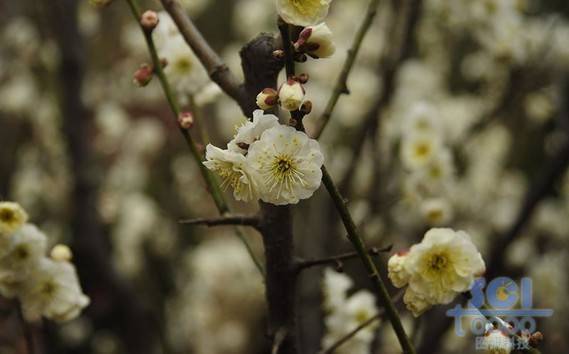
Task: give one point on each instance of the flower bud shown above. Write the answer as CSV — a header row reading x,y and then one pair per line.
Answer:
x,y
149,20
496,342
186,120
267,98
143,75
291,95
278,54
316,41
61,253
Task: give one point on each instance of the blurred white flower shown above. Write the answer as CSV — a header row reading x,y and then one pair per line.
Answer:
x,y
27,247
12,217
53,291
303,12
288,164
417,150
436,211
335,287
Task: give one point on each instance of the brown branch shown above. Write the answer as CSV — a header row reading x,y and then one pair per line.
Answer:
x,y
216,68
244,220
336,260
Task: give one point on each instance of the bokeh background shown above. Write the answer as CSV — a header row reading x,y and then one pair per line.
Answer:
x,y
99,164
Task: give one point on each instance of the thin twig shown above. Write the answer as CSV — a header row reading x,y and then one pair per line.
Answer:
x,y
242,220
279,339
208,177
341,86
331,349
216,68
303,264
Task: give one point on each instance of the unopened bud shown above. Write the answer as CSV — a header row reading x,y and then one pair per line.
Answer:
x,y
163,62
61,253
496,342
186,120
306,107
278,54
149,20
316,41
143,75
267,98
291,95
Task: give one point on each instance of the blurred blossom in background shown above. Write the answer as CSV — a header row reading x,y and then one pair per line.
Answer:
x,y
477,109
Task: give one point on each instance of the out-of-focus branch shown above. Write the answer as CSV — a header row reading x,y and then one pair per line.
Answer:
x,y
337,260
242,220
96,271
208,177
26,329
216,68
341,86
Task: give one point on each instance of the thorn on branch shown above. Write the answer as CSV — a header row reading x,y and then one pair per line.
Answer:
x,y
242,220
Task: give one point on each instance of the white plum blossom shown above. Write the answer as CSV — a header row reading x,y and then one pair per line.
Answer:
x,y
250,132
345,313
418,149
303,12
288,164
335,288
436,211
496,342
444,264
396,270
316,41
291,95
234,170
54,292
267,98
27,247
12,217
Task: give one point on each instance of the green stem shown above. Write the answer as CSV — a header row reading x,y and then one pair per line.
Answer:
x,y
349,223
209,178
370,266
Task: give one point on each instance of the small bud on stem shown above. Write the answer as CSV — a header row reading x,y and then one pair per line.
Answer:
x,y
149,20
143,75
186,120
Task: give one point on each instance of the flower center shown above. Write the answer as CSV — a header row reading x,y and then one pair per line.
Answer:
x,y
283,173
22,252
422,150
183,65
438,262
7,215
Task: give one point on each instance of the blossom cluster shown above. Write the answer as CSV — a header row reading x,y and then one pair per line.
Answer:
x,y
45,286
268,161
345,313
444,264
